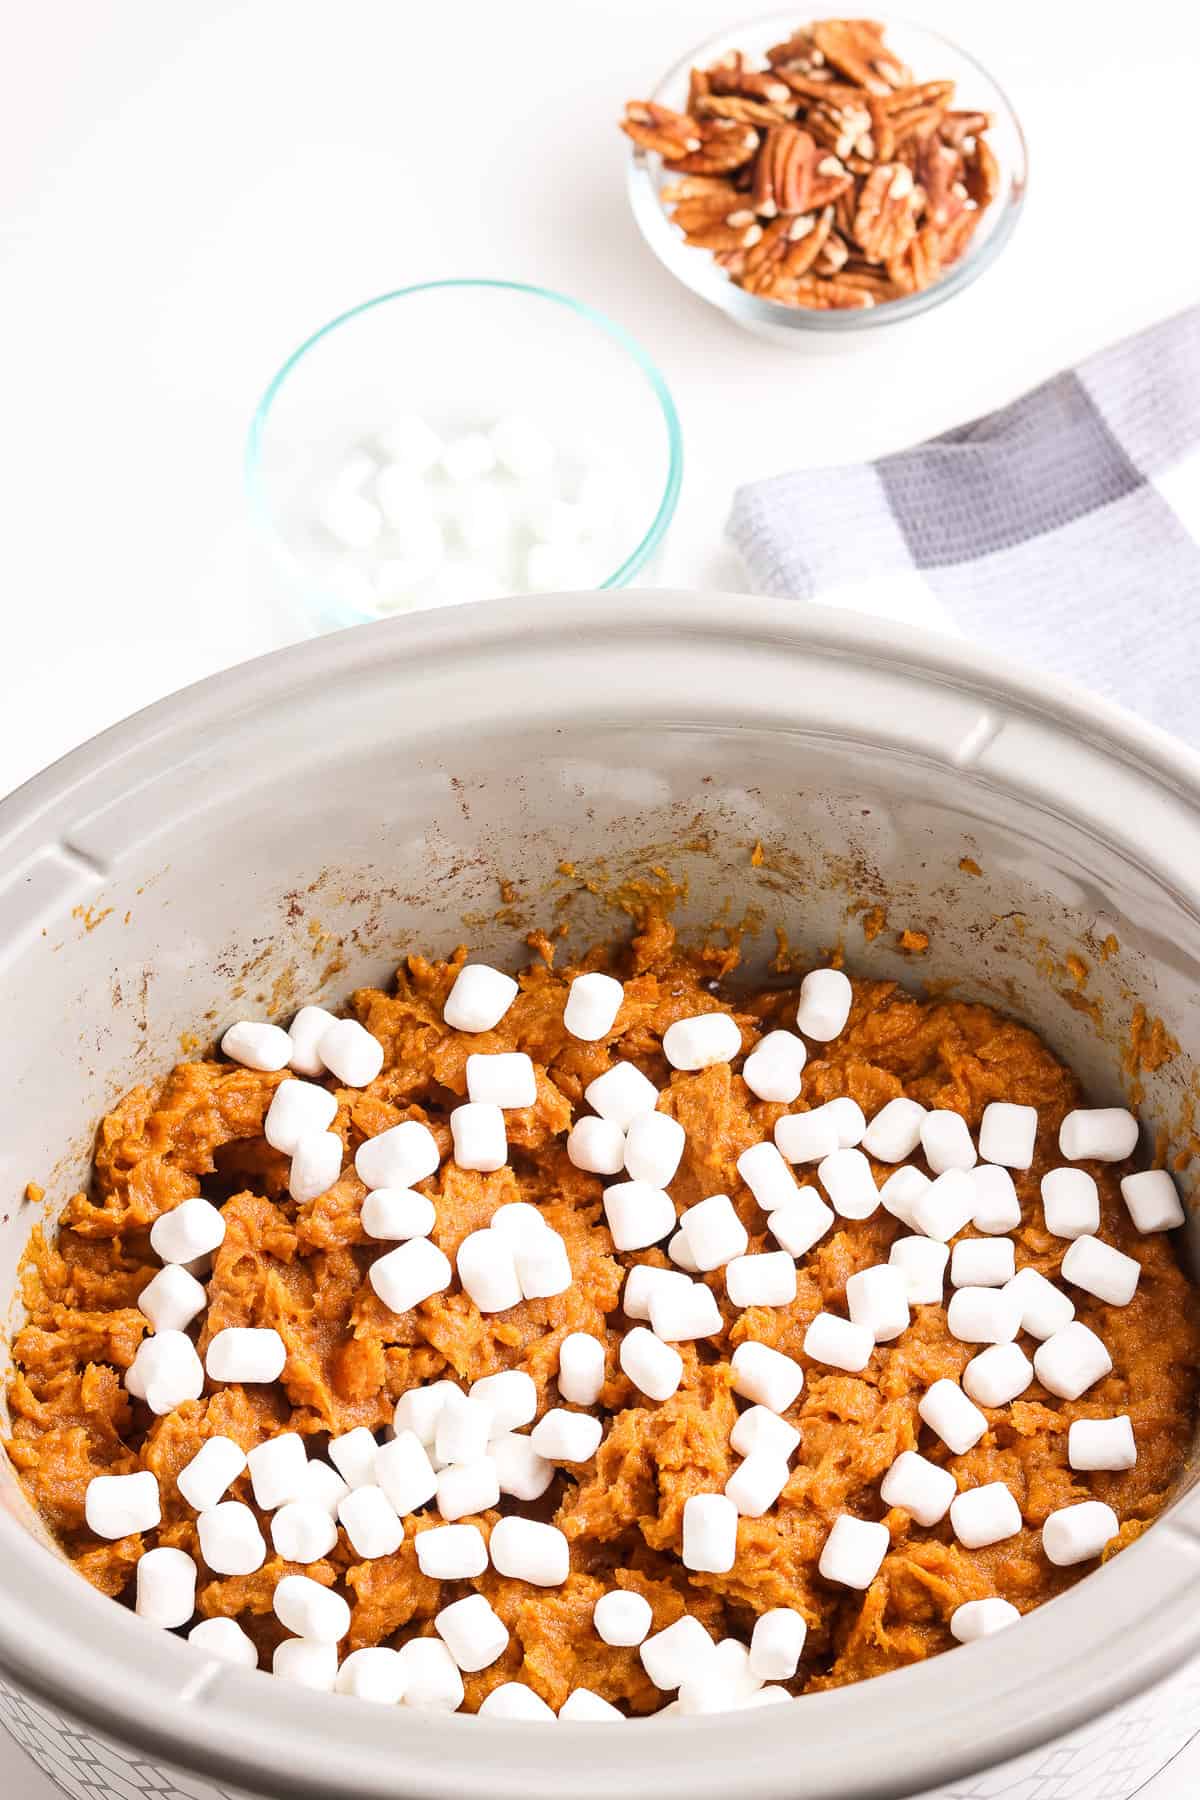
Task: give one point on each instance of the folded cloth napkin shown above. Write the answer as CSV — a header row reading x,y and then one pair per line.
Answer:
x,y
1063,530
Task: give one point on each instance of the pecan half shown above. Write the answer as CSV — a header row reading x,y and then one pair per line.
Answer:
x,y
783,172
724,145
886,220
957,127
750,112
856,47
982,174
654,127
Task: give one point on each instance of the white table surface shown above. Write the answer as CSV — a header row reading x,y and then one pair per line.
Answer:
x,y
186,191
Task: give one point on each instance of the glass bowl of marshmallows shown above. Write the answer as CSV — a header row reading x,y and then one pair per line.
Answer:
x,y
459,441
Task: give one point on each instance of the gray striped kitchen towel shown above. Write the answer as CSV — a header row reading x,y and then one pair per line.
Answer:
x,y
1063,530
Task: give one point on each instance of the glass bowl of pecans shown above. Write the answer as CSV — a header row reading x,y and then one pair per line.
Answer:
x,y
814,178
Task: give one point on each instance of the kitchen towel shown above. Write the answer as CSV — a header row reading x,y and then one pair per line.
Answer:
x,y
1063,530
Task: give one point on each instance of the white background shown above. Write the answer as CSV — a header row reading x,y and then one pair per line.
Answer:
x,y
188,187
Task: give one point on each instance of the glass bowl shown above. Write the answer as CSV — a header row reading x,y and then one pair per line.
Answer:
x,y
931,58
458,357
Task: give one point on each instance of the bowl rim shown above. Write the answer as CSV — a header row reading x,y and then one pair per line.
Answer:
x,y
702,279
633,563
1125,1626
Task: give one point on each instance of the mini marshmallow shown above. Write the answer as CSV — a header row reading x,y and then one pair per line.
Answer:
x,y
529,1551
680,1255
1152,1200
395,1214
773,1069
922,1262
297,1108
473,1633
766,1174
621,1094
945,1206
1075,1534
506,1079
480,1141
847,1179
172,1299
1045,1309
514,1700
165,1372
997,1375
777,1644
230,1540
638,1215
766,1376
316,1164
622,1617
351,1054
353,1456
825,998
451,1552
191,1229
839,1343
768,1279
714,1233
946,1141
677,1653
653,1146
807,1137
854,1551
983,1262
510,1397
1101,1443
224,1639
641,1281
277,1469
468,457
757,1482
593,1002
410,441
420,1408
481,517
597,1146
901,1188
955,1419
983,1315
984,1515
308,1664
877,1298
518,1221
304,1034
709,1534
654,1368
464,1426
432,1682
583,1707
245,1353
976,1619
1101,1134
1071,1203
580,1368
1071,1361
1007,1134
464,1488
562,1436
374,1673
758,1428
217,1463
166,1587
699,1042
116,1506
304,1533
919,1486
849,1119
895,1131
479,998
1100,1269
488,1271
680,1313
520,1471
409,1274
800,1222
310,1610
257,1046
404,1472
554,520
997,1206
322,1486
